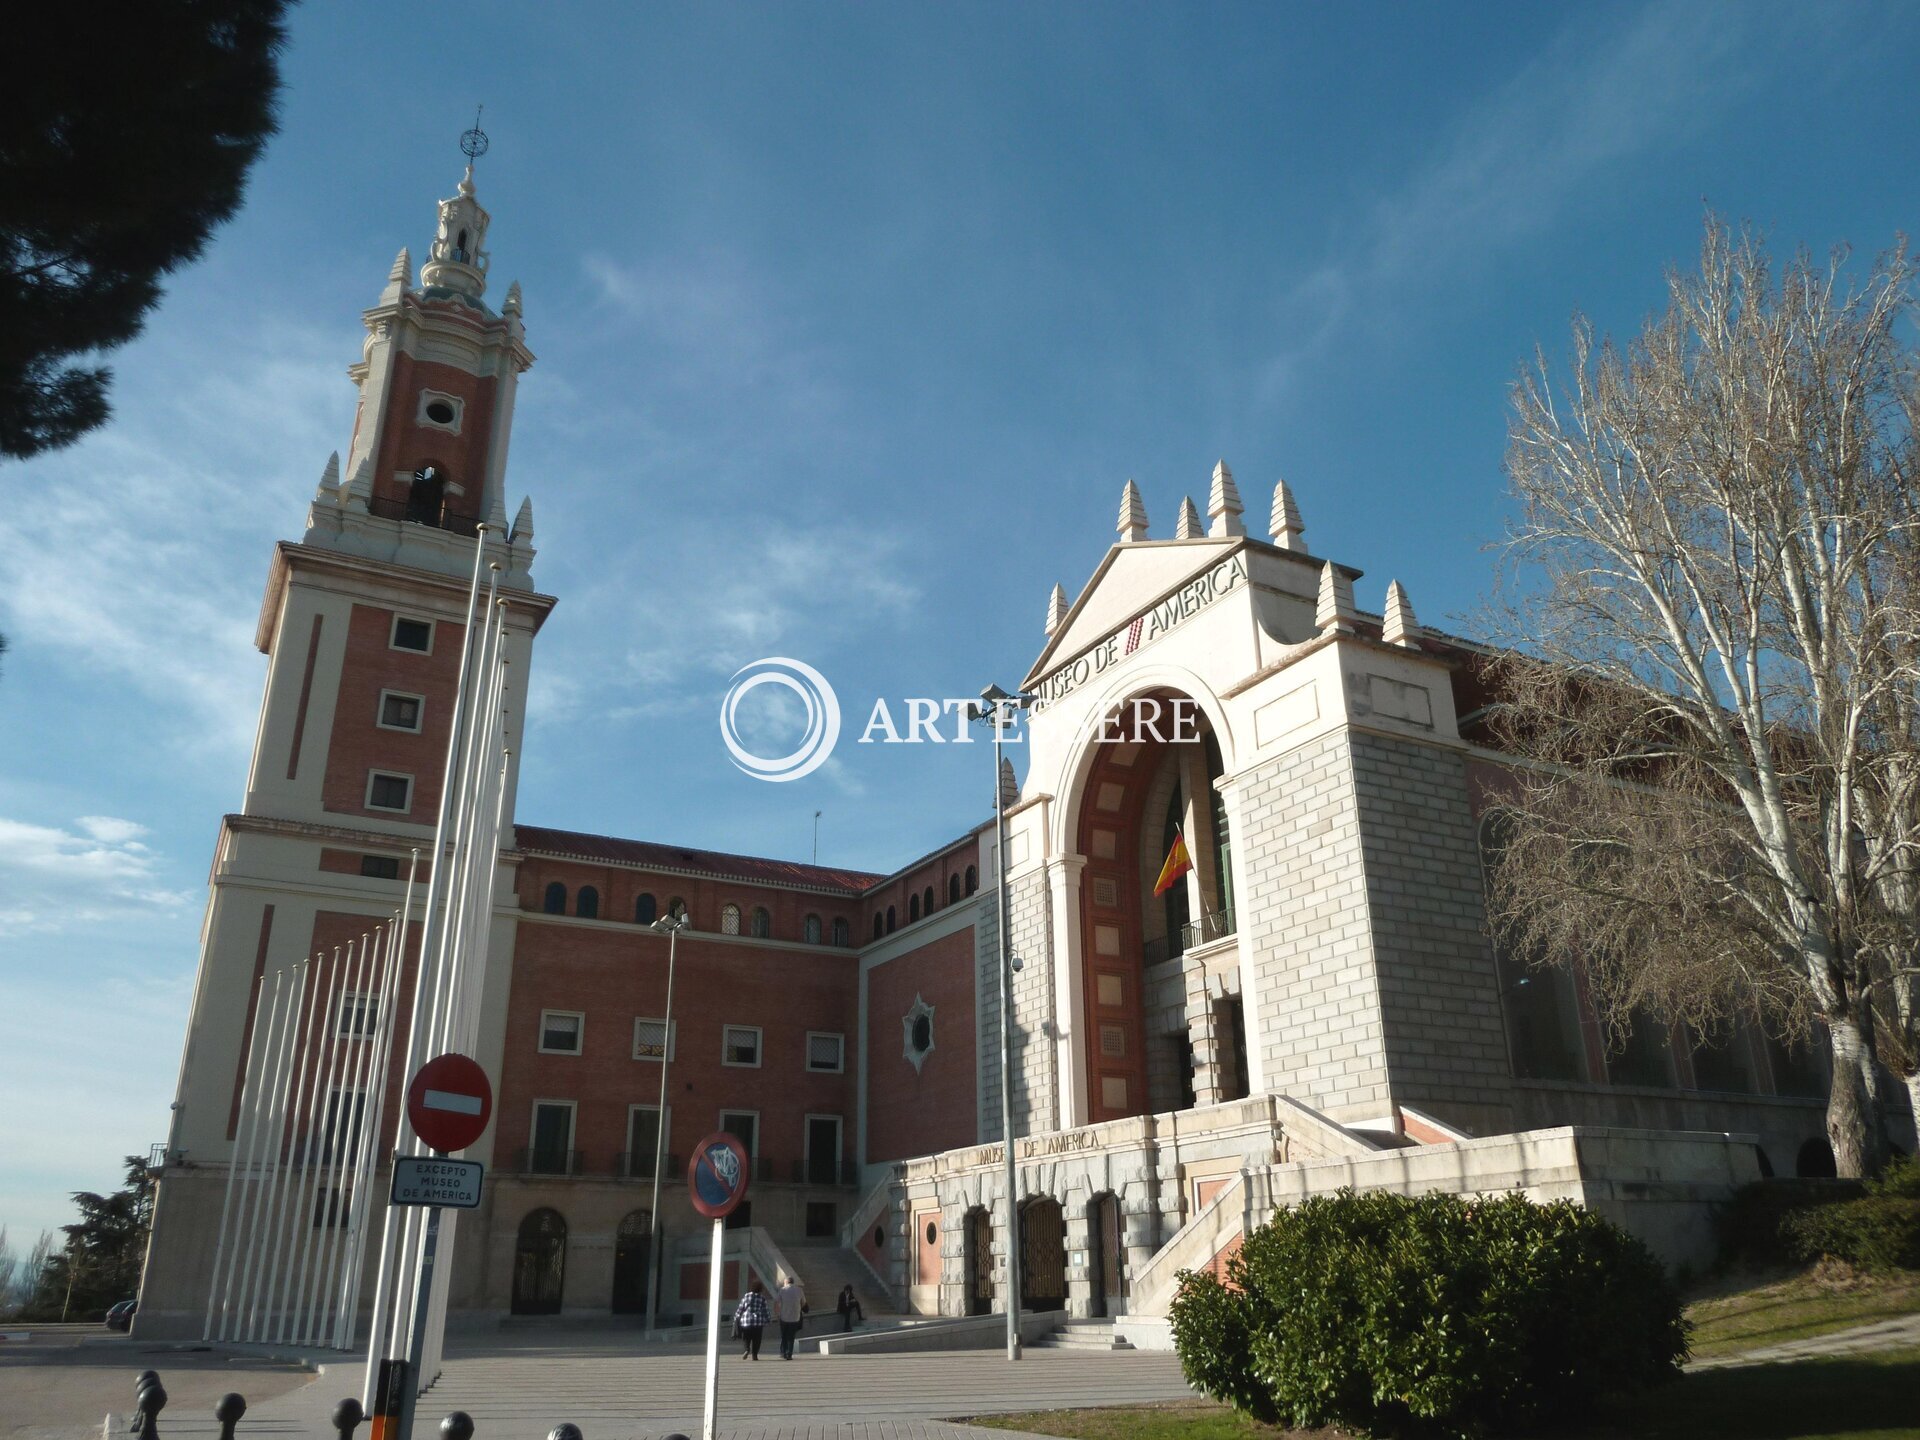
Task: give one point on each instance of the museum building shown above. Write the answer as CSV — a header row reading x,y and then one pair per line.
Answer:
x,y
1314,1002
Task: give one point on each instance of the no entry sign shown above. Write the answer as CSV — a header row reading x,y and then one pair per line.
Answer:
x,y
449,1103
717,1176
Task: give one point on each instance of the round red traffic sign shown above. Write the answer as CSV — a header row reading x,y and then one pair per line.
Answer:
x,y
717,1175
449,1103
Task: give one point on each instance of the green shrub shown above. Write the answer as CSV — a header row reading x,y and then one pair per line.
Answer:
x,y
1751,1226
1879,1231
1451,1316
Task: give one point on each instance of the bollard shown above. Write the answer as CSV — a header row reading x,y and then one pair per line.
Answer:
x,y
565,1431
141,1382
346,1415
153,1399
676,1435
227,1410
457,1426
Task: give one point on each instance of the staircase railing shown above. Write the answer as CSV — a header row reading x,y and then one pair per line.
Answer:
x,y
1151,1287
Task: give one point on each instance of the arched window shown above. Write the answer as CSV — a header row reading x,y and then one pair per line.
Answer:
x,y
644,910
889,919
913,908
556,899
762,922
729,919
927,901
842,932
811,929
587,904
879,924
953,890
973,880
677,908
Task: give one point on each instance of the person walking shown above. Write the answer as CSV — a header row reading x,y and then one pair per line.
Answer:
x,y
790,1301
849,1308
750,1318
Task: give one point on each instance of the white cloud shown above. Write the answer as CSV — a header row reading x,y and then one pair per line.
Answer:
x,y
61,880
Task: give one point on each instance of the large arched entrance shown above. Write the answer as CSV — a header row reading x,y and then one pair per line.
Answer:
x,y
1043,1255
632,1249
540,1264
979,1262
1150,782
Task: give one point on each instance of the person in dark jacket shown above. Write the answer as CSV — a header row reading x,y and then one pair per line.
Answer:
x,y
750,1318
849,1307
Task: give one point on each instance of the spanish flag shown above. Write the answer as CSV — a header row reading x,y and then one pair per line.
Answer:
x,y
1178,864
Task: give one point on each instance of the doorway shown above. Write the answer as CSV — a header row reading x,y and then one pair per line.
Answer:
x,y
979,1255
1108,1272
540,1264
1043,1255
632,1249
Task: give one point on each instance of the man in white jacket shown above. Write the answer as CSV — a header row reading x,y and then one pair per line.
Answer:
x,y
790,1303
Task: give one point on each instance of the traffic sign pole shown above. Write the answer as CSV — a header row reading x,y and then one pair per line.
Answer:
x,y
713,1330
417,1344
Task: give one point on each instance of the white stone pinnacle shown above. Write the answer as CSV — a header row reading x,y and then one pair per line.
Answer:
x,y
1009,787
1133,515
1223,503
1335,611
512,304
402,267
1398,627
1188,525
359,491
330,480
523,521
1285,522
1056,610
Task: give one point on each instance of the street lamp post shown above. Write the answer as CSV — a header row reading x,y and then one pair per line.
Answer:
x,y
996,708
669,925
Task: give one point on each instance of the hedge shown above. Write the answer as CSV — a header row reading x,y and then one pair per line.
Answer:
x,y
1454,1316
1879,1231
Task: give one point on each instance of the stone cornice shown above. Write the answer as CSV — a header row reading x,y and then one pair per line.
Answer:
x,y
289,553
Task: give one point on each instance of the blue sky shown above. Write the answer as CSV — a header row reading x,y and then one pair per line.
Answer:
x,y
851,323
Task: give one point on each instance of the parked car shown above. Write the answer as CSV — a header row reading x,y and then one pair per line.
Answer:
x,y
120,1317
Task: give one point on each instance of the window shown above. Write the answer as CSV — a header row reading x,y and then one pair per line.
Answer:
x,y
358,1017
643,1136
927,901
879,924
810,930
587,906
826,1053
743,1125
842,932
762,922
389,792
913,908
556,900
1722,1059
953,890
889,919
440,411
380,867
550,1145
340,1137
1542,1015
741,1045
645,912
651,1040
1643,1056
973,880
729,919
917,1030
677,908
411,635
400,712
823,1219
823,1150
560,1032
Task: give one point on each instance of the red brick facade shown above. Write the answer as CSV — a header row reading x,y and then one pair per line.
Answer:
x,y
918,1112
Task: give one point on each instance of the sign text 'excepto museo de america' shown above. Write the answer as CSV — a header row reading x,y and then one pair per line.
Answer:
x,y
428,1180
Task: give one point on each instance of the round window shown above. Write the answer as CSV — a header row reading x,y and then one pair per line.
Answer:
x,y
879,1237
933,1233
922,1033
440,412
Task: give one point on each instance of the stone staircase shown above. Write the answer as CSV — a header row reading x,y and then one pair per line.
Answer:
x,y
1082,1335
823,1270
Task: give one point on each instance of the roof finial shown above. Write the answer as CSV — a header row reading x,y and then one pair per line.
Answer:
x,y
1285,521
1334,613
1133,515
1223,503
1187,527
1056,610
1398,627
473,144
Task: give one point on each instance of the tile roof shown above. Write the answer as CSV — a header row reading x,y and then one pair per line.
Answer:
x,y
574,845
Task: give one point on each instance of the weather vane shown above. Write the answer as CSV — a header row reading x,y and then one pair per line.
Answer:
x,y
473,143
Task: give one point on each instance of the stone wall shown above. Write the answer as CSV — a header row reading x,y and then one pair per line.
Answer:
x,y
1036,1090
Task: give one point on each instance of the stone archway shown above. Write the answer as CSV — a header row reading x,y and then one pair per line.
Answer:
x,y
540,1263
1043,1255
978,1233
1150,774
632,1250
1106,1256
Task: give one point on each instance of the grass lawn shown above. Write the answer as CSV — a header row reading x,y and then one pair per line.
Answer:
x,y
1796,1307
1864,1398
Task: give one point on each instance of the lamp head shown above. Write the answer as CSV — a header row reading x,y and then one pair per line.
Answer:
x,y
667,924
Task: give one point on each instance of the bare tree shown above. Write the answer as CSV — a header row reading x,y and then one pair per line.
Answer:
x,y
1712,664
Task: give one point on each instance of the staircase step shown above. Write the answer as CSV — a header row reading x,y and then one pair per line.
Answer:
x,y
1084,1335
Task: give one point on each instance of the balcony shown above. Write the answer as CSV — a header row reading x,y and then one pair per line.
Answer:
x,y
825,1172
539,1160
1213,925
632,1165
437,517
